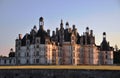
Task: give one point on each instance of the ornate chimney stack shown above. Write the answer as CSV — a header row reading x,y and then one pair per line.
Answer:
x,y
67,25
20,36
48,31
91,32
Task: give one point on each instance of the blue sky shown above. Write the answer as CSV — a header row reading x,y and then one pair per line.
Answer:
x,y
19,16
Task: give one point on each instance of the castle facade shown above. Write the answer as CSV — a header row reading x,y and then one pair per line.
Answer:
x,y
64,47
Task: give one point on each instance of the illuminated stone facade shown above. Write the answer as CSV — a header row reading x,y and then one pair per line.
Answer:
x,y
65,47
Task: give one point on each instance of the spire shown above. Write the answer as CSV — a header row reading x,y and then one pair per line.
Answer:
x,y
104,45
61,24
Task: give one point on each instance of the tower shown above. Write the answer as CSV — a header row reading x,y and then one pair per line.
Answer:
x,y
61,32
41,23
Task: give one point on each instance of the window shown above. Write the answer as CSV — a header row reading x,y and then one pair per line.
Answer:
x,y
78,61
19,43
27,61
37,41
34,53
10,61
106,55
18,61
54,54
27,54
37,46
37,60
77,55
18,48
73,48
37,53
73,54
5,61
14,60
28,42
73,61
78,50
18,54
34,60
27,48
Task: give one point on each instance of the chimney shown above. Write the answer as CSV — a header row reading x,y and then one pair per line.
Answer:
x,y
91,32
73,27
48,32
57,30
20,36
53,33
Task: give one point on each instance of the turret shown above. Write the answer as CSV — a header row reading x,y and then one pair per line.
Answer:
x,y
104,45
41,23
12,53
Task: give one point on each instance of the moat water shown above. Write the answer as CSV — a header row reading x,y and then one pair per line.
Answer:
x,y
58,73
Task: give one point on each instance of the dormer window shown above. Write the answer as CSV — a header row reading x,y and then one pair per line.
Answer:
x,y
27,54
72,39
19,43
27,42
37,46
37,53
37,40
27,48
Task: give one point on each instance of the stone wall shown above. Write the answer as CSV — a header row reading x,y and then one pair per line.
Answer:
x,y
58,73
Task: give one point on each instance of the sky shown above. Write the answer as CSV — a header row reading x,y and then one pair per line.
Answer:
x,y
19,16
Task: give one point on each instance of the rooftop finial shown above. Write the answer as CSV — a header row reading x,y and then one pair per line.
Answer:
x,y
41,19
67,25
104,35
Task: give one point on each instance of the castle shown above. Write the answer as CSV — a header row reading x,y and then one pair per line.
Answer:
x,y
64,47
